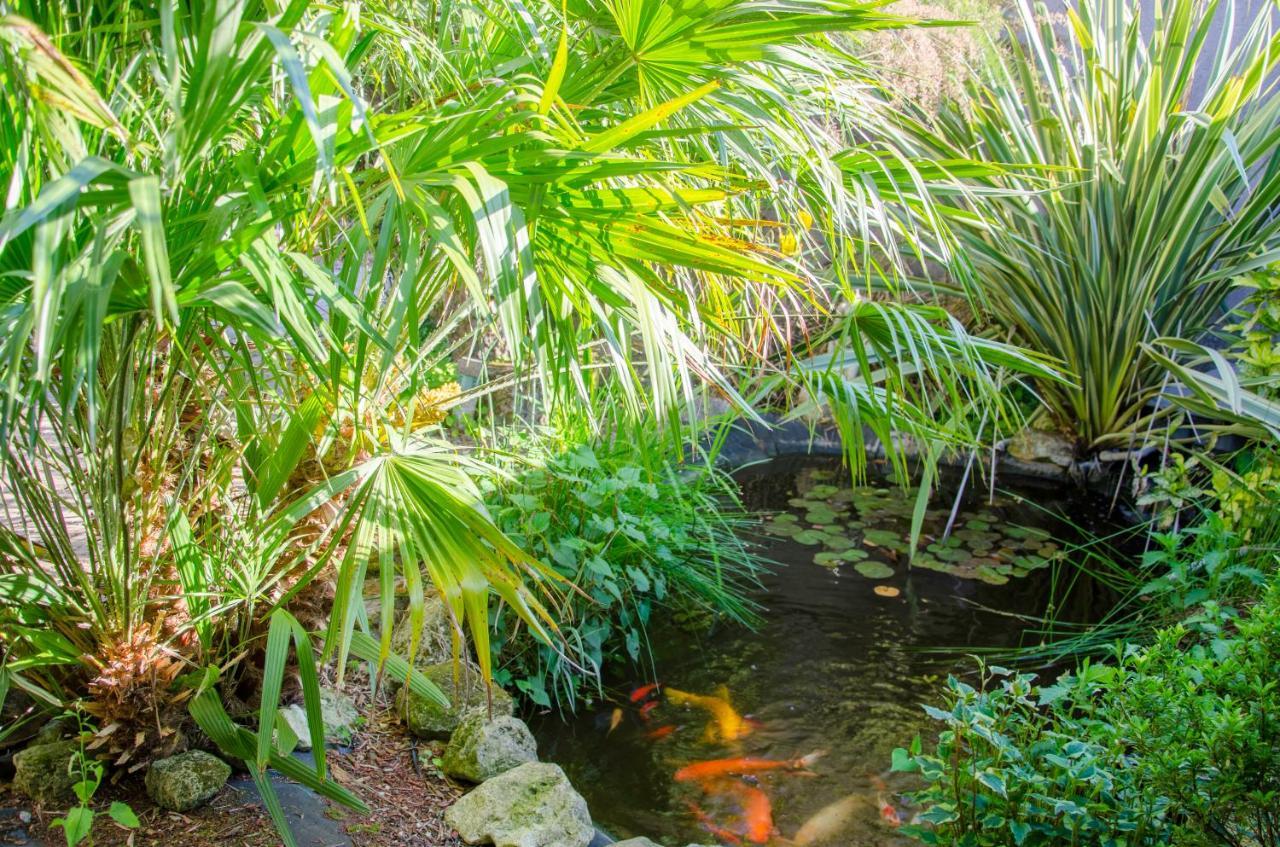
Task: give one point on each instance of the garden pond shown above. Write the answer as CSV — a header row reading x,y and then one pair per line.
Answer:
x,y
852,642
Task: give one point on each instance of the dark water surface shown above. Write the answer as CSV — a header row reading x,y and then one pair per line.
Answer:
x,y
836,667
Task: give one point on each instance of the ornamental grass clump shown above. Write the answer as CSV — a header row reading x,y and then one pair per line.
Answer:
x,y
1119,181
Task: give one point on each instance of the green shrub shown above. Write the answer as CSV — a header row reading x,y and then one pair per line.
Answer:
x,y
1017,765
633,533
1178,742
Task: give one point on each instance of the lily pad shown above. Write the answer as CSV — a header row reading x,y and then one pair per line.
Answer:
x,y
1030,563
838,542
874,570
810,536
1026,532
931,563
828,560
991,577
882,537
886,591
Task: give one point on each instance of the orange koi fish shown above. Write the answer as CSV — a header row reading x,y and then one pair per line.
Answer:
x,y
660,733
646,709
643,692
757,812
720,768
614,720
724,836
729,724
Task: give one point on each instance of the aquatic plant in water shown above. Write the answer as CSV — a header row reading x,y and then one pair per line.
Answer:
x,y
868,526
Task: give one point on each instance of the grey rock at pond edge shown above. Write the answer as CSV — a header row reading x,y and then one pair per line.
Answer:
x,y
428,719
43,772
435,642
532,805
187,780
636,842
338,712
1034,445
55,729
481,749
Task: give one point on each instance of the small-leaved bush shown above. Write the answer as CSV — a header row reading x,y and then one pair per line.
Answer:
x,y
634,533
1017,765
1177,742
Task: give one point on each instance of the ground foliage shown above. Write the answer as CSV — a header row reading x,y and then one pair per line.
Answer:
x,y
638,536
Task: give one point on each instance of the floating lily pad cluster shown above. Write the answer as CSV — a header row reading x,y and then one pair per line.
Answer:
x,y
867,527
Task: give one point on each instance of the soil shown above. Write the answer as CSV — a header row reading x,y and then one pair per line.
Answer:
x,y
394,774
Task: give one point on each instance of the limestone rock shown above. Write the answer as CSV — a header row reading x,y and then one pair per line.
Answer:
x,y
187,780
481,748
1034,445
336,709
532,805
435,643
43,772
428,719
55,729
636,842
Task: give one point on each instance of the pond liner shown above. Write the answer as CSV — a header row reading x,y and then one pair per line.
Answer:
x,y
748,442
14,829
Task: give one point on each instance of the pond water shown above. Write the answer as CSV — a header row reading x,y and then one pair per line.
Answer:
x,y
846,655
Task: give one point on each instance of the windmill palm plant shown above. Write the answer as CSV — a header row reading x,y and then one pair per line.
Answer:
x,y
240,237
1119,180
